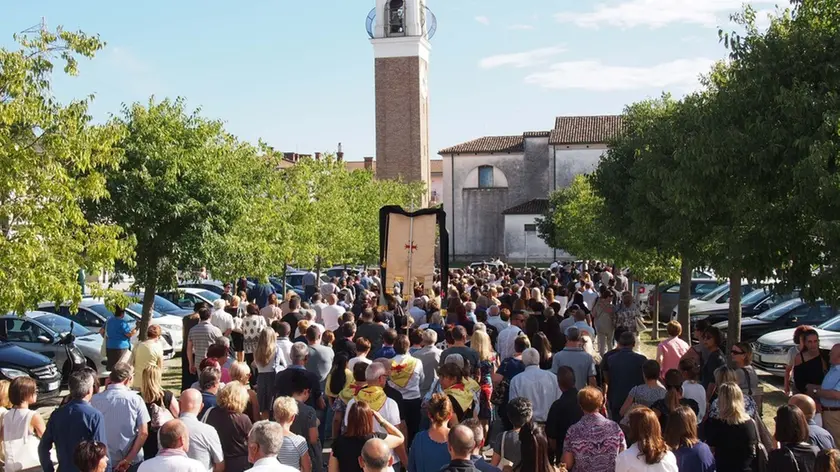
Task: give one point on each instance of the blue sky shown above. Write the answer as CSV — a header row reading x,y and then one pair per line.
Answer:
x,y
299,73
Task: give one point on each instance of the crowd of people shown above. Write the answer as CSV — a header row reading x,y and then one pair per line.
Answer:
x,y
504,369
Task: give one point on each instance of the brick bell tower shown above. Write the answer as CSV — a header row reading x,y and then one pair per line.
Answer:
x,y
400,31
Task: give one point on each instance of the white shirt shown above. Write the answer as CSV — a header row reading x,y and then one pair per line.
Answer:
x,y
284,349
330,314
411,391
629,461
506,341
356,360
222,320
328,289
539,386
205,445
589,297
581,326
497,322
696,392
317,307
270,464
174,460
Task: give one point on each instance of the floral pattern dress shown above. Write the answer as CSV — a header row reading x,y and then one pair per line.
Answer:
x,y
485,381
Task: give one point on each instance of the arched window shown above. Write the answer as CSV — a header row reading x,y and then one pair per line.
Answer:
x,y
485,176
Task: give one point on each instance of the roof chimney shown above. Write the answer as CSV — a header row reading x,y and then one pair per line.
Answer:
x,y
340,154
317,156
368,163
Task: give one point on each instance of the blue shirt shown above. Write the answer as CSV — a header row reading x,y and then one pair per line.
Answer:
x,y
209,401
819,436
387,352
427,455
124,412
116,330
260,293
69,425
831,382
698,458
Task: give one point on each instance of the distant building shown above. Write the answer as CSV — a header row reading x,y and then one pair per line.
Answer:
x,y
495,187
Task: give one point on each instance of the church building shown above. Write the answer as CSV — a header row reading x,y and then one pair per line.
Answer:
x,y
495,187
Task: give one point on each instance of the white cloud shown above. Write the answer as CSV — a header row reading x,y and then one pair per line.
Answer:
x,y
593,75
521,59
657,13
521,27
483,20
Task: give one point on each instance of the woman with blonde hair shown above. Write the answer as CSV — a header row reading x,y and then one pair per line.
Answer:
x,y
487,364
649,451
294,452
232,425
732,435
160,404
5,404
147,354
536,295
828,460
268,361
240,372
726,375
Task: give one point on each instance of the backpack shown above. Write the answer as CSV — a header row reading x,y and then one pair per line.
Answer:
x,y
159,414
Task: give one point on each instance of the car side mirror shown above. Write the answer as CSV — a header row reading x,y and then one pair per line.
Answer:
x,y
43,339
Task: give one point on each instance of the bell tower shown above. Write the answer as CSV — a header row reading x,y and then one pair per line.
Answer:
x,y
400,31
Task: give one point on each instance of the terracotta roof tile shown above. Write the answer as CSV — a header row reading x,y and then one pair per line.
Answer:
x,y
488,144
537,206
536,134
585,129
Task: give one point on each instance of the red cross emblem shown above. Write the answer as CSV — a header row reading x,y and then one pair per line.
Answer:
x,y
410,246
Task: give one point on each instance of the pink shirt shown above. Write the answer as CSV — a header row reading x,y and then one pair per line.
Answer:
x,y
671,351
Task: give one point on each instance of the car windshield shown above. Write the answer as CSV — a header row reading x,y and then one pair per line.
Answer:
x,y
755,296
165,306
136,309
715,293
831,325
779,310
208,295
61,325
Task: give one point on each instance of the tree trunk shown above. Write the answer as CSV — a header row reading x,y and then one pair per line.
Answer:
x,y
733,334
148,305
685,296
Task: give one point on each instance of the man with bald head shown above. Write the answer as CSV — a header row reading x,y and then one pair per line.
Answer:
x,y
817,435
205,446
828,395
461,443
172,457
376,456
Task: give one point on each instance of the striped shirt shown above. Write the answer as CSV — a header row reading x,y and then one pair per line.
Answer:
x,y
203,335
294,447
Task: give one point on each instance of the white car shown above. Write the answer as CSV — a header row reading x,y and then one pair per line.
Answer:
x,y
771,351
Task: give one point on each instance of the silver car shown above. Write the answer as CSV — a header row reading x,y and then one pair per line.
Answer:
x,y
42,332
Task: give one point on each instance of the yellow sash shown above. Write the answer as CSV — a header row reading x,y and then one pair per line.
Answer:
x,y
372,395
401,372
471,385
346,393
461,395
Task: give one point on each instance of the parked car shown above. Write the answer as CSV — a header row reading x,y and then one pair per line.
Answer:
x,y
668,294
716,298
295,279
282,288
789,314
162,305
187,297
771,351
42,332
16,361
214,286
93,313
752,304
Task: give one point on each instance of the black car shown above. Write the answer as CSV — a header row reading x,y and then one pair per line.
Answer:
x,y
789,314
753,304
18,362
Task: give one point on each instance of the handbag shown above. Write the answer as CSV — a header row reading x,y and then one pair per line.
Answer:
x,y
504,462
761,458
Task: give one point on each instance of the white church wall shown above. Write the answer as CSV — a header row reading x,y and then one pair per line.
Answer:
x,y
573,160
516,248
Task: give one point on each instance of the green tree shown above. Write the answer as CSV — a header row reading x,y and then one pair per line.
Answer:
x,y
51,159
178,191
